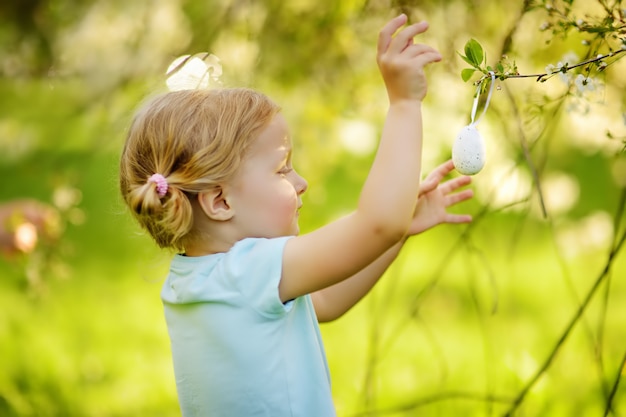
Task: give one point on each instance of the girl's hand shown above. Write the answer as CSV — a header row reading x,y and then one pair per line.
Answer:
x,y
401,62
434,198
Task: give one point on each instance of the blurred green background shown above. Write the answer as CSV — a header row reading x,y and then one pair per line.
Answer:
x,y
521,312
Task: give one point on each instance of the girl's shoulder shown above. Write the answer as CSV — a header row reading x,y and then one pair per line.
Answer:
x,y
250,271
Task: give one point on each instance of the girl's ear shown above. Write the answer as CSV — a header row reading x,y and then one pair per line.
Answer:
x,y
214,204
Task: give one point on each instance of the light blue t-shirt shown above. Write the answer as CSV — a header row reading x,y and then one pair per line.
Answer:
x,y
238,351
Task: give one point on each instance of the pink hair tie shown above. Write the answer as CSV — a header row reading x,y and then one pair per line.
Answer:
x,y
161,184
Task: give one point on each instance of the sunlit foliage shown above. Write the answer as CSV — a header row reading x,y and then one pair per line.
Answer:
x,y
520,313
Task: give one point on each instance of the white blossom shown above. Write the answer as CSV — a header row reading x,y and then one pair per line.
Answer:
x,y
570,58
584,84
563,75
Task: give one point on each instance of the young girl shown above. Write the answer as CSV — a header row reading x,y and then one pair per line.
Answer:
x,y
209,173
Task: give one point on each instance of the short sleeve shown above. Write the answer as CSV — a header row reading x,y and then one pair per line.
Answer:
x,y
254,267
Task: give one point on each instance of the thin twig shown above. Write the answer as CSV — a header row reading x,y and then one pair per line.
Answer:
x,y
621,209
542,76
444,396
527,156
579,312
618,377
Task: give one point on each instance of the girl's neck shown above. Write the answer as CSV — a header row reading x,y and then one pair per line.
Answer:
x,y
206,247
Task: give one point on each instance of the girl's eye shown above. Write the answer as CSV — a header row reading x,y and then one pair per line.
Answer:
x,y
285,170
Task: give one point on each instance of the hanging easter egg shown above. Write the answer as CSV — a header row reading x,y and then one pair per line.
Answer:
x,y
468,151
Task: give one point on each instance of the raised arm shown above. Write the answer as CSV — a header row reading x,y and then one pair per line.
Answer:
x,y
433,202
387,202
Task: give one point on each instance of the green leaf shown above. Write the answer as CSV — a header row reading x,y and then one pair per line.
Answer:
x,y
467,73
466,59
474,52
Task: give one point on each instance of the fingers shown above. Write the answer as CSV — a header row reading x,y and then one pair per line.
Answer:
x,y
386,33
404,38
456,198
458,218
401,61
451,185
428,58
433,181
434,178
453,199
420,49
441,171
428,185
423,55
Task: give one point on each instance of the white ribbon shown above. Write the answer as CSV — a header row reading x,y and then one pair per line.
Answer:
x,y
475,106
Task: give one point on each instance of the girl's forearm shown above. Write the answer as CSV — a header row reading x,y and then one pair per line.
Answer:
x,y
334,301
389,193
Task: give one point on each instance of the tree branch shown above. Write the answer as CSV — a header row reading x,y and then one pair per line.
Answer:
x,y
581,309
541,77
618,377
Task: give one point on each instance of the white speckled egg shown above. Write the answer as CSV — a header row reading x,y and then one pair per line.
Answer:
x,y
468,151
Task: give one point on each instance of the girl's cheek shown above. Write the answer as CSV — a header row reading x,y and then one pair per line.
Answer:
x,y
290,202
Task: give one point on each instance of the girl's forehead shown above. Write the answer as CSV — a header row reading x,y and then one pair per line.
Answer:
x,y
274,137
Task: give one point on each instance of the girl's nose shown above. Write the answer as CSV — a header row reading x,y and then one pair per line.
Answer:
x,y
300,184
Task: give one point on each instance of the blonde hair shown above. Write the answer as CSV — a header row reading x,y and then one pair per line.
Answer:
x,y
196,139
